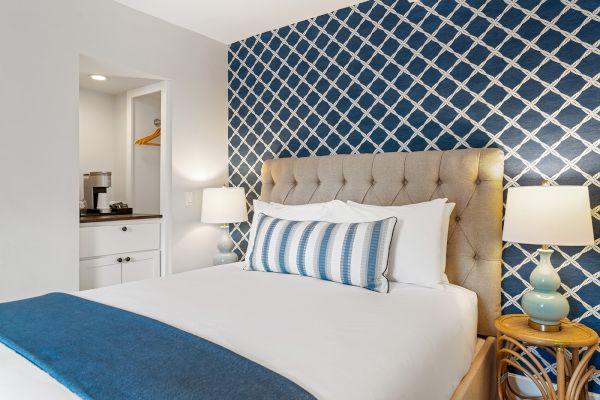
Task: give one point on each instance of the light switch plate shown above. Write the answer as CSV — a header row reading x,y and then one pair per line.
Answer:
x,y
189,199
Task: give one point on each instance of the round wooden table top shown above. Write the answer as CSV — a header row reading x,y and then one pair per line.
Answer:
x,y
571,334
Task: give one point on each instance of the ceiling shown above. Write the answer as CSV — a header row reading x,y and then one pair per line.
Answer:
x,y
231,20
120,79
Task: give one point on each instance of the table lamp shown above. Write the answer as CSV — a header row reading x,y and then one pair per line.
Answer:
x,y
547,215
224,206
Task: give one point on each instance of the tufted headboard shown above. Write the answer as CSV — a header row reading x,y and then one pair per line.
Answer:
x,y
471,178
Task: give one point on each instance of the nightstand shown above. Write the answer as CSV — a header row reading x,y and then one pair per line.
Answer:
x,y
514,335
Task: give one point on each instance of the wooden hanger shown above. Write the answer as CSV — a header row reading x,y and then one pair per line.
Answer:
x,y
146,141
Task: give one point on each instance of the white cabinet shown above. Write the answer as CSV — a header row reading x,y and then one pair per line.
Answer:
x,y
99,272
118,252
112,270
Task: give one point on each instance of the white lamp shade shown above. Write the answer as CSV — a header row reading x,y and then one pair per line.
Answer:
x,y
224,205
553,215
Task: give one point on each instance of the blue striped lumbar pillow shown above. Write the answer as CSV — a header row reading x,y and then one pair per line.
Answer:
x,y
349,253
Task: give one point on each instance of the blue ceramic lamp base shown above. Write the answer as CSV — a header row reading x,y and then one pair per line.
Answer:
x,y
225,246
544,305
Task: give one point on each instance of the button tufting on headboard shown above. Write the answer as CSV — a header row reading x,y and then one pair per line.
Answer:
x,y
471,178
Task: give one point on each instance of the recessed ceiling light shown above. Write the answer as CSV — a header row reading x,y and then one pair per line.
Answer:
x,y
97,77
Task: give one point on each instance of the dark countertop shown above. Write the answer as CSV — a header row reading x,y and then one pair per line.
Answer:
x,y
86,219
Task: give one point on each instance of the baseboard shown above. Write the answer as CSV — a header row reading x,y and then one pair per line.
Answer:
x,y
525,386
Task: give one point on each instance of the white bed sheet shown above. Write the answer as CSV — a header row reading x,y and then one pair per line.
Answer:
x,y
336,341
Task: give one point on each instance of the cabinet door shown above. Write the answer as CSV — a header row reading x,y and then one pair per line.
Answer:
x,y
143,265
99,272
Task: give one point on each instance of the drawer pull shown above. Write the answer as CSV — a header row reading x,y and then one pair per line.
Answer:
x,y
119,260
124,229
127,259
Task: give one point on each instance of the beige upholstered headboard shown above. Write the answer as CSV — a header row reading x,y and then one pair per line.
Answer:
x,y
471,178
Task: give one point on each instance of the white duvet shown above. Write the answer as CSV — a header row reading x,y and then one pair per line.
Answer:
x,y
336,341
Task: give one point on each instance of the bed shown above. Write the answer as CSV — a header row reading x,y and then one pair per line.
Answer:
x,y
338,341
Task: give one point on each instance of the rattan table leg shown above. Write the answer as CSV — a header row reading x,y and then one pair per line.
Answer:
x,y
560,372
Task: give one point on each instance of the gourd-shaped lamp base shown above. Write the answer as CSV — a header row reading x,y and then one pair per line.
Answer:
x,y
544,305
225,246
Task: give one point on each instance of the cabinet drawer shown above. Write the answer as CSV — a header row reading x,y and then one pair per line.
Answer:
x,y
96,241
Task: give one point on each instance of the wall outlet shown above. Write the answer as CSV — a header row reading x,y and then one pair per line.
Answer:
x,y
189,199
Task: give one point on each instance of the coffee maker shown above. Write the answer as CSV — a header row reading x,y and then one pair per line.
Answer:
x,y
95,191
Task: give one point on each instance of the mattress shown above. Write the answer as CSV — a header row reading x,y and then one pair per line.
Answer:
x,y
336,341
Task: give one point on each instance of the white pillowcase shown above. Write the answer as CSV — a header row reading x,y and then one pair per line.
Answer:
x,y
416,253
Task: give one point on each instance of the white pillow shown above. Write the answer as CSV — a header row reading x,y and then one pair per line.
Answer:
x,y
301,212
416,253
418,238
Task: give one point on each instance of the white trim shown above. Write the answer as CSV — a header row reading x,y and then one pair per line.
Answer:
x,y
164,88
166,175
527,387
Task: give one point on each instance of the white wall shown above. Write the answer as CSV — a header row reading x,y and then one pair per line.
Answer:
x,y
101,135
146,159
39,167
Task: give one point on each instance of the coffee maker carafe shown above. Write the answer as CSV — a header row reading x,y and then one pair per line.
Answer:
x,y
95,191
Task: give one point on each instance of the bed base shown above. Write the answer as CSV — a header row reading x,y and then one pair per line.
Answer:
x,y
480,381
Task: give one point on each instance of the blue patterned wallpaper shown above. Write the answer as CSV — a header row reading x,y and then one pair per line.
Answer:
x,y
389,75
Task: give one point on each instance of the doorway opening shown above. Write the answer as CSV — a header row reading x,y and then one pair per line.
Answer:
x,y
125,157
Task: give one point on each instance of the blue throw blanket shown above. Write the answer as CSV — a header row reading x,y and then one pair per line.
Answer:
x,y
101,352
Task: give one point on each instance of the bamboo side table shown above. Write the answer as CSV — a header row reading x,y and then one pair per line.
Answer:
x,y
514,335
